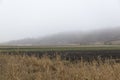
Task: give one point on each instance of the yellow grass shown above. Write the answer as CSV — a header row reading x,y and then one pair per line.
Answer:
x,y
33,68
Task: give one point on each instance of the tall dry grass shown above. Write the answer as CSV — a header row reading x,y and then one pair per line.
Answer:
x,y
32,68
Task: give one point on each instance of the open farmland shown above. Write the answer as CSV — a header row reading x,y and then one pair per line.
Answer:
x,y
66,52
60,63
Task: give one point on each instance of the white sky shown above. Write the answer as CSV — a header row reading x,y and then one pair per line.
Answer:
x,y
33,18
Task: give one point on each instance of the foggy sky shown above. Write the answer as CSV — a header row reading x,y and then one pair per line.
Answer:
x,y
34,18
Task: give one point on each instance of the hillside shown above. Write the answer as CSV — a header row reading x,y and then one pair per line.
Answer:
x,y
103,36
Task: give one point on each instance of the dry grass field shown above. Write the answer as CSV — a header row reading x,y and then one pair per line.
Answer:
x,y
14,67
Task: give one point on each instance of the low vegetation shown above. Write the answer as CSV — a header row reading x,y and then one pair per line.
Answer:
x,y
16,67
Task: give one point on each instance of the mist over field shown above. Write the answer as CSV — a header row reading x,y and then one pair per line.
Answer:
x,y
59,39
106,36
51,22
